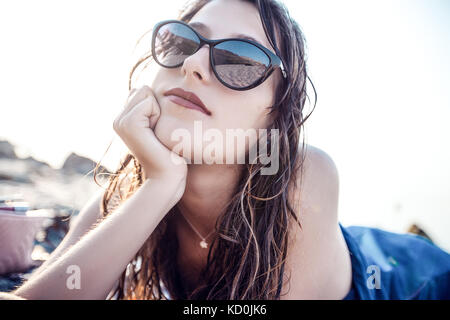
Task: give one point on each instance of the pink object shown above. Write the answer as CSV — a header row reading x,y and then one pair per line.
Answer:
x,y
17,234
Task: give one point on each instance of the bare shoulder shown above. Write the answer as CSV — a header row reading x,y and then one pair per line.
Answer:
x,y
319,162
317,250
315,184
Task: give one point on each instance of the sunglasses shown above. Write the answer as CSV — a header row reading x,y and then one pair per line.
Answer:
x,y
239,64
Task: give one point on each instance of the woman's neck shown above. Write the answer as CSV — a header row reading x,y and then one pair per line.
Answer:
x,y
209,189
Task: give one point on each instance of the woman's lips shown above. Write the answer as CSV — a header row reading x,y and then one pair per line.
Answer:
x,y
185,103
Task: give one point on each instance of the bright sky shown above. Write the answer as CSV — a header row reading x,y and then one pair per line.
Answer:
x,y
381,70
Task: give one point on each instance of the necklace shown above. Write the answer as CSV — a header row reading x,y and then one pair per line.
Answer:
x,y
203,243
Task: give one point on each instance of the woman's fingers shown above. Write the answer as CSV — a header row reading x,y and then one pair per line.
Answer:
x,y
134,98
135,126
145,113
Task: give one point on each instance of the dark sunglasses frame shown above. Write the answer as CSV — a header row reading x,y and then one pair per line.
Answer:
x,y
275,61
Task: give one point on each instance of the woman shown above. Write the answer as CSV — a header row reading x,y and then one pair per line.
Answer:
x,y
175,225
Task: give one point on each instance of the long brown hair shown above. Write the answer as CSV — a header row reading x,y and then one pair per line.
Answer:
x,y
247,258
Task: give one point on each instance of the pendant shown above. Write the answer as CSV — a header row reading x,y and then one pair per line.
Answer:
x,y
203,244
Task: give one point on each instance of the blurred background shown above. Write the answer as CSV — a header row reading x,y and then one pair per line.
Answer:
x,y
381,70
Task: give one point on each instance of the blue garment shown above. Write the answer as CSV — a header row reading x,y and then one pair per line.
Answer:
x,y
387,265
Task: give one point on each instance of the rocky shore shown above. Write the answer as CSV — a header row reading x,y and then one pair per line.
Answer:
x,y
59,193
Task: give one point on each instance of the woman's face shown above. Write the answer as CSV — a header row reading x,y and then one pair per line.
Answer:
x,y
230,109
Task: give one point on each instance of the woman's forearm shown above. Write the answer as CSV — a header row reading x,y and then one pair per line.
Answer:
x,y
89,217
100,257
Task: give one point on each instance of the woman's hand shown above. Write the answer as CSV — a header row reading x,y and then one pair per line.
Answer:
x,y
135,127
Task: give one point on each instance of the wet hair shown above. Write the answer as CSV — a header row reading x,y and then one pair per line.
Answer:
x,y
247,258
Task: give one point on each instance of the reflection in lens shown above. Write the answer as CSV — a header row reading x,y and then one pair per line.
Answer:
x,y
239,63
173,43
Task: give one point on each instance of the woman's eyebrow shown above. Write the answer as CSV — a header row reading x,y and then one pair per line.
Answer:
x,y
202,27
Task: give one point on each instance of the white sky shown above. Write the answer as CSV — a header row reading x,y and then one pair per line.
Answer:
x,y
381,70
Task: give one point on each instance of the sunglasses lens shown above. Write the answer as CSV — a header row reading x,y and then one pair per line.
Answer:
x,y
239,63
173,43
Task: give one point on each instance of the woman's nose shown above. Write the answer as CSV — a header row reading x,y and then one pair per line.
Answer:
x,y
197,66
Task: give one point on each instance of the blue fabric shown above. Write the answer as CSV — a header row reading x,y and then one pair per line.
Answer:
x,y
387,265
